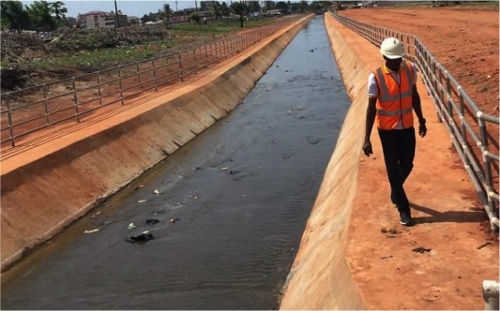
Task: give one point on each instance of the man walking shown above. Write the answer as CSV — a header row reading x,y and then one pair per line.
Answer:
x,y
392,98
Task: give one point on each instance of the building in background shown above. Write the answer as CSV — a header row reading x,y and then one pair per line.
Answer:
x,y
100,19
207,5
134,20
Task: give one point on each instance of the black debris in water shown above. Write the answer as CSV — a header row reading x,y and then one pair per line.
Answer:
x,y
141,237
151,221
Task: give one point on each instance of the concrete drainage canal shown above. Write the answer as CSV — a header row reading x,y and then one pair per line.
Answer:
x,y
226,211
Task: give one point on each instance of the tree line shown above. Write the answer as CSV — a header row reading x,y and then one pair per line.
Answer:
x,y
40,15
47,16
241,9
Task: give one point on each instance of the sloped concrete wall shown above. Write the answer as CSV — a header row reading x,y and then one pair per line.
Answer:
x,y
320,278
42,197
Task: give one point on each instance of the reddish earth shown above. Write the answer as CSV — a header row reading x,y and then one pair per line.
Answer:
x,y
464,41
459,249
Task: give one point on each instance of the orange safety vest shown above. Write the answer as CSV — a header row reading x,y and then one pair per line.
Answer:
x,y
394,101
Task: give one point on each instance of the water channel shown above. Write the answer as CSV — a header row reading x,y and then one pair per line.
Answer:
x,y
240,194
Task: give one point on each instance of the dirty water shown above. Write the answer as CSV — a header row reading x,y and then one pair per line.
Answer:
x,y
225,213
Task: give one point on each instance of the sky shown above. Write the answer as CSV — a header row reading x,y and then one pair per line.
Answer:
x,y
129,7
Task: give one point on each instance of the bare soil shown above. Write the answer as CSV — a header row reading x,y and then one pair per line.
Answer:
x,y
440,262
463,39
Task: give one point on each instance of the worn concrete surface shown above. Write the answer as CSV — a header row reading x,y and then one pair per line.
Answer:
x,y
50,185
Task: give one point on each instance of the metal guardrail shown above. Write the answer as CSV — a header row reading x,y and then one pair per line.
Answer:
x,y
473,133
29,110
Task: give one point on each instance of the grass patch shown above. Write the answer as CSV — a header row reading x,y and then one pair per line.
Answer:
x,y
218,26
89,58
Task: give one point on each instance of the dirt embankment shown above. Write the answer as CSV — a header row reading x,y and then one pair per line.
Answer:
x,y
463,39
20,50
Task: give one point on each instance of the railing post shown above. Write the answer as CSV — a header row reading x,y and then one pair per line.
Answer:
x,y
194,61
490,294
462,113
45,105
75,100
179,59
167,65
138,75
448,93
154,74
99,87
224,48
120,83
488,182
9,121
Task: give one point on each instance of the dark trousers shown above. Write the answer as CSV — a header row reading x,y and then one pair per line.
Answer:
x,y
399,151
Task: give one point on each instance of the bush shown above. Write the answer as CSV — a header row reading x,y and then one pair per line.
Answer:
x,y
195,18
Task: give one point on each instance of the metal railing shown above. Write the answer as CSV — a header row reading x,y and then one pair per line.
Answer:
x,y
31,109
473,133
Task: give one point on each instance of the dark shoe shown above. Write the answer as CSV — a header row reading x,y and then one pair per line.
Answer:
x,y
405,218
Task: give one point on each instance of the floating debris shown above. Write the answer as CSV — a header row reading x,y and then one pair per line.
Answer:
x,y
142,201
151,221
91,231
131,226
157,192
141,237
173,220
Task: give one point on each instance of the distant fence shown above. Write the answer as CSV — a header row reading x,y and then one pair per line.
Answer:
x,y
29,110
473,133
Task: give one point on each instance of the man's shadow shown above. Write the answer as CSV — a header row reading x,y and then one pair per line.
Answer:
x,y
474,215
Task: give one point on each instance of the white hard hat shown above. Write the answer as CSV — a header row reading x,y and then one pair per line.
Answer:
x,y
392,48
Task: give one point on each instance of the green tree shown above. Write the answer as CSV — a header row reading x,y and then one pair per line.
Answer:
x,y
240,8
224,9
303,6
282,6
217,11
253,6
327,5
294,7
59,10
167,13
41,16
269,5
14,16
195,17
315,6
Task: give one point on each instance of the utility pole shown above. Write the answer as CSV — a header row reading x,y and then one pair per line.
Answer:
x,y
116,15
196,5
176,6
